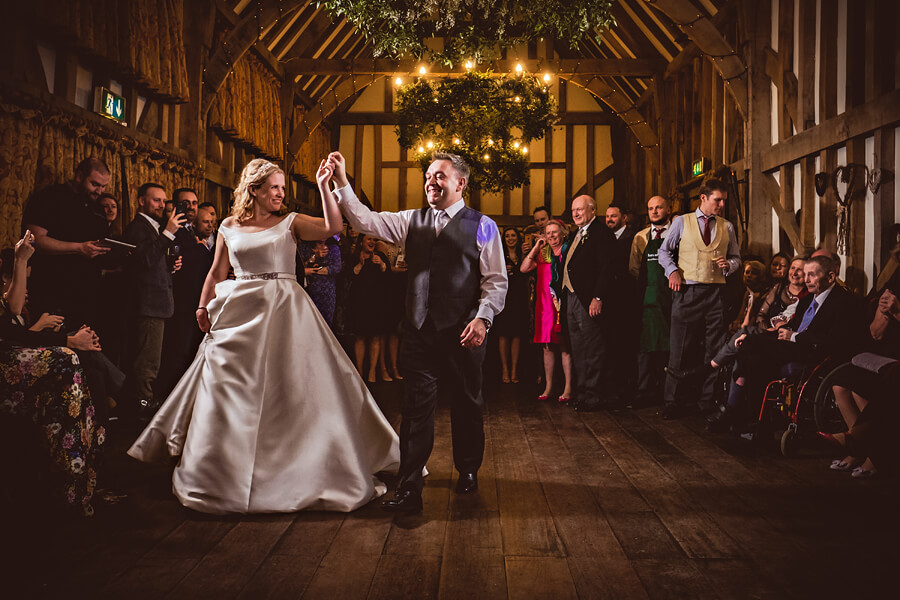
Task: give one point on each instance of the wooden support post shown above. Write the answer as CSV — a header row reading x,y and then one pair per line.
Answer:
x,y
856,250
884,198
806,82
570,131
376,194
402,184
807,205
757,136
589,157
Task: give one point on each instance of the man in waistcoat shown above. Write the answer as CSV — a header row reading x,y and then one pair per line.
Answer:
x,y
655,300
700,250
457,285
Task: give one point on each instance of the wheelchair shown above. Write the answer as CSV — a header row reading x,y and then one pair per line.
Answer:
x,y
807,401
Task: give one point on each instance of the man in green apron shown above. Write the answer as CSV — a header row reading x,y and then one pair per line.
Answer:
x,y
653,288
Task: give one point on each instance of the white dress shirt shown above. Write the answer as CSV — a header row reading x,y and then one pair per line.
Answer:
x,y
157,226
392,227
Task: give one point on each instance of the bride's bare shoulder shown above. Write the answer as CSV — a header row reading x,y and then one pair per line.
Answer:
x,y
229,222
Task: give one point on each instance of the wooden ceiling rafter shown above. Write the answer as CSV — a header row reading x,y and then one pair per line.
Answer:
x,y
703,32
237,42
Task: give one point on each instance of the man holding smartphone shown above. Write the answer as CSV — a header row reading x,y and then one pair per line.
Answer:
x,y
150,300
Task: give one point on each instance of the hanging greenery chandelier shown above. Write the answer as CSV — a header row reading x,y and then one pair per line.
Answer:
x,y
472,29
487,120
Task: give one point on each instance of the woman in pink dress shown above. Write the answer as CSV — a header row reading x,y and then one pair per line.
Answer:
x,y
547,258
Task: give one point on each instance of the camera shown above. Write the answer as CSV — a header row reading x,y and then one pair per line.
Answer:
x,y
181,208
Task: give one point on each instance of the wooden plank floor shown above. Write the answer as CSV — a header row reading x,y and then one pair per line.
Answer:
x,y
617,504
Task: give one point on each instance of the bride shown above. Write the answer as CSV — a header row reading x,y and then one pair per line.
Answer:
x,y
271,416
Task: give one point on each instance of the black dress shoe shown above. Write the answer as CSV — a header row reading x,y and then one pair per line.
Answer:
x,y
405,501
468,483
698,371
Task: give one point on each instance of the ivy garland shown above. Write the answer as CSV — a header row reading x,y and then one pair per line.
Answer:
x,y
472,29
487,120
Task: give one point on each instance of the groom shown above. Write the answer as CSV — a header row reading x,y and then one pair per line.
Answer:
x,y
457,285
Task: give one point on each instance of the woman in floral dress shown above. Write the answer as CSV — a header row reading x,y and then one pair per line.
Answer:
x,y
41,381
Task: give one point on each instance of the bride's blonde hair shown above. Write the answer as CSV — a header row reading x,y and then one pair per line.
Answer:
x,y
254,175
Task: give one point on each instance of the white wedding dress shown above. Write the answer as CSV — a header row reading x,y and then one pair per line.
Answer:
x,y
271,416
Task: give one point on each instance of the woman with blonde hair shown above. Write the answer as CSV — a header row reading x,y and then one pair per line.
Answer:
x,y
272,415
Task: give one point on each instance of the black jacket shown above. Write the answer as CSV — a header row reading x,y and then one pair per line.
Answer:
x,y
150,279
838,329
593,264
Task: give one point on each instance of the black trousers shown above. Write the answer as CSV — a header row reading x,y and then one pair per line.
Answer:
x,y
698,314
432,361
589,338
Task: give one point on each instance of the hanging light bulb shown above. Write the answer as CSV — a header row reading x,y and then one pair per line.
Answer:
x,y
421,149
469,65
546,77
398,81
519,68
517,99
490,142
456,141
524,150
487,157
515,144
422,70
430,144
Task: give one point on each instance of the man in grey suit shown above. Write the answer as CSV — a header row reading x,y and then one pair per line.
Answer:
x,y
457,285
150,300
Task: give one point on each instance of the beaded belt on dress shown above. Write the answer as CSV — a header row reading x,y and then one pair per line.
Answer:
x,y
247,276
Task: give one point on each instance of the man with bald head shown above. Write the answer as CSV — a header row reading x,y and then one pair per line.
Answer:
x,y
589,271
655,299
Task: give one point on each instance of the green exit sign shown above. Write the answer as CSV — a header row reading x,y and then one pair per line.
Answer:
x,y
110,105
700,166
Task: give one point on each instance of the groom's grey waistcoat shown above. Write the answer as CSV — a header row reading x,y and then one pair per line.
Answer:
x,y
444,271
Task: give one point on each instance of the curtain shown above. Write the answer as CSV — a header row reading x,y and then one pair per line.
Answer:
x,y
41,145
142,37
247,108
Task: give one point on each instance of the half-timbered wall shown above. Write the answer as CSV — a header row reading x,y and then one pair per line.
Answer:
x,y
575,157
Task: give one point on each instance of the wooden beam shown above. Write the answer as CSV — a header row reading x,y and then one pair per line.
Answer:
x,y
388,118
621,67
704,33
883,112
785,217
239,40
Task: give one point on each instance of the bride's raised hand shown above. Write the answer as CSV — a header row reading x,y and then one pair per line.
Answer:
x,y
339,164
323,175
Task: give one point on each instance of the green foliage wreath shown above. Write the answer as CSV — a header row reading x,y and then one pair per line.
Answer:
x,y
472,29
487,120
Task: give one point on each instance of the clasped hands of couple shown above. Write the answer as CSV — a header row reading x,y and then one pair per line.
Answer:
x,y
335,168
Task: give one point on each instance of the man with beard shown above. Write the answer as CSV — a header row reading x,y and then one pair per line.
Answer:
x,y
150,300
457,285
655,299
183,335
68,228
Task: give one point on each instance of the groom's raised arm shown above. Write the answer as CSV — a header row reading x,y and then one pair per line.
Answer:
x,y
388,226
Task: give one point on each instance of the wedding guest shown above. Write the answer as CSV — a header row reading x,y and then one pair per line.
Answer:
x,y
512,324
321,263
549,331
366,304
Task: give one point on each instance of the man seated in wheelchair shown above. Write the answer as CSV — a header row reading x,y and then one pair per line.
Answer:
x,y
829,322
